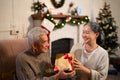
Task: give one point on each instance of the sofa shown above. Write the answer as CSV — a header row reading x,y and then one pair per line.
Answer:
x,y
9,49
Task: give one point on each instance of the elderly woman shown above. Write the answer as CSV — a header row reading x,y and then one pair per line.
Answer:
x,y
35,63
91,60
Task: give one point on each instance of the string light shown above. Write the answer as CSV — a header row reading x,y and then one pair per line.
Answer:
x,y
86,18
48,15
82,22
73,21
52,19
62,24
70,20
78,23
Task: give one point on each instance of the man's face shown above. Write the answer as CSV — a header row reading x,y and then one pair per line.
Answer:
x,y
43,44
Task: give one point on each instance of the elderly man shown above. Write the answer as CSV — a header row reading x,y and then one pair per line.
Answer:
x,y
35,63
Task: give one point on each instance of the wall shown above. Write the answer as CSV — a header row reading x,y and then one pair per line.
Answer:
x,y
15,14
115,8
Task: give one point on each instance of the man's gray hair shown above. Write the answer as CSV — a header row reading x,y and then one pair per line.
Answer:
x,y
34,33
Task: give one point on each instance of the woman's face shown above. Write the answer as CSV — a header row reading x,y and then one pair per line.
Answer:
x,y
88,35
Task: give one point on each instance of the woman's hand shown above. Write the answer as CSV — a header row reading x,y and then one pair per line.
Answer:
x,y
78,65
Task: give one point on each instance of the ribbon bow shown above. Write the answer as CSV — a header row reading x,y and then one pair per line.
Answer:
x,y
66,56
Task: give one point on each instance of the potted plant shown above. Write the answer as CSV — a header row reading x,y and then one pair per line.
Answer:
x,y
40,10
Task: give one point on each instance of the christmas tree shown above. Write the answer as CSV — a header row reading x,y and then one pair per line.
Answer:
x,y
108,26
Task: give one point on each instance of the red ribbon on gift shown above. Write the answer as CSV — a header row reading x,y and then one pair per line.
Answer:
x,y
56,69
66,56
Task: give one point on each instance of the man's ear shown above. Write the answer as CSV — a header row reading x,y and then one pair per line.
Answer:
x,y
33,46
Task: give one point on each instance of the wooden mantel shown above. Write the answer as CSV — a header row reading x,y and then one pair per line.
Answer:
x,y
64,16
39,16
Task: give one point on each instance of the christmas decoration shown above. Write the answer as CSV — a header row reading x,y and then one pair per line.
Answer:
x,y
79,11
112,70
57,3
70,6
41,12
47,25
68,19
40,9
108,27
74,11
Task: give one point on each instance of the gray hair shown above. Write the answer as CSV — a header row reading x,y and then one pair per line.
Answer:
x,y
96,28
34,33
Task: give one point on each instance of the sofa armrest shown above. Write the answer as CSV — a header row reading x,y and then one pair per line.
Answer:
x,y
9,49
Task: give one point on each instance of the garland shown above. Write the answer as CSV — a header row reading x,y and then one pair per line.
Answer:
x,y
69,20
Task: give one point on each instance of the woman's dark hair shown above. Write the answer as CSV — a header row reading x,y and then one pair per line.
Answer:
x,y
96,28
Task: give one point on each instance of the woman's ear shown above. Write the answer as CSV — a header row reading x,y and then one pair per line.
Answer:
x,y
97,34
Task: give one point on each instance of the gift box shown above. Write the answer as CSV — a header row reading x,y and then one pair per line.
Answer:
x,y
64,62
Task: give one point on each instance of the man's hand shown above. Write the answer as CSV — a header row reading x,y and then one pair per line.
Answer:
x,y
63,75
